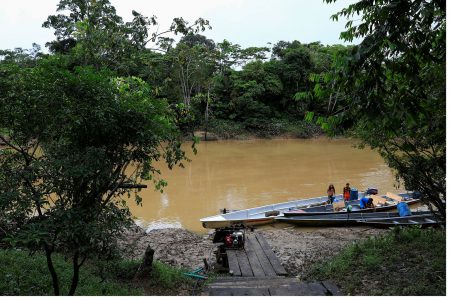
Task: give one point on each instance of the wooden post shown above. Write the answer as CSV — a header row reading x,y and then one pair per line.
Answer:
x,y
146,267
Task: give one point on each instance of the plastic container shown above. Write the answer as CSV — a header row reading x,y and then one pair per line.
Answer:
x,y
403,209
353,194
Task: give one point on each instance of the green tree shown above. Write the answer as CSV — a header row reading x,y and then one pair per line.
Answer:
x,y
193,67
393,84
74,137
94,34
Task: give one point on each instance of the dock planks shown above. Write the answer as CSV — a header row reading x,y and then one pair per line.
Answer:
x,y
255,260
270,286
256,271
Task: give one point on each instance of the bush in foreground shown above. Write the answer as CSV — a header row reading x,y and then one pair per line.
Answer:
x,y
22,274
405,261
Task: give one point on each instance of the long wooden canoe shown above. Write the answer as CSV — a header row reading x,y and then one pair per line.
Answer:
x,y
349,218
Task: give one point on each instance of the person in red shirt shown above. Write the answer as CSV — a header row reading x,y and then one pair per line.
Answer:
x,y
346,192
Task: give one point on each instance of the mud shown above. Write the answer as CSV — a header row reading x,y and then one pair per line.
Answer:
x,y
296,248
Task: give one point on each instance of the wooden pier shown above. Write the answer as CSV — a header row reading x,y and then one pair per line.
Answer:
x,y
256,271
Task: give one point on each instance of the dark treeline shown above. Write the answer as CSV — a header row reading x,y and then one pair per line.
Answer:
x,y
217,86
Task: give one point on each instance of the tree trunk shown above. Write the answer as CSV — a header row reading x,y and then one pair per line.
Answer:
x,y
206,115
51,268
76,274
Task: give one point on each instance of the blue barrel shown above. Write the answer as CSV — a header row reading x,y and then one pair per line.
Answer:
x,y
403,209
353,194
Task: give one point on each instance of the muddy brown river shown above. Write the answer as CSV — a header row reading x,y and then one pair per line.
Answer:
x,y
245,174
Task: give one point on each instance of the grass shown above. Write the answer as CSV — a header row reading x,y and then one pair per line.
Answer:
x,y
25,275
22,274
404,262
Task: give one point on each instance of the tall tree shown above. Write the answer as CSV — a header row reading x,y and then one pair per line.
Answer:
x,y
92,31
394,87
73,130
72,136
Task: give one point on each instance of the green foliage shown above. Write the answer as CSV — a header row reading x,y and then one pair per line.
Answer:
x,y
93,33
115,269
167,276
390,89
405,261
26,275
73,135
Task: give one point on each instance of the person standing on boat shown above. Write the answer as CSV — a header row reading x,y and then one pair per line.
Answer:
x,y
331,192
346,192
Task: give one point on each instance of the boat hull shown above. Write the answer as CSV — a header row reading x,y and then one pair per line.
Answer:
x,y
266,214
259,215
243,222
351,219
423,221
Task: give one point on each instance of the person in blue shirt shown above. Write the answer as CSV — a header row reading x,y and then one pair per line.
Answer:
x,y
366,203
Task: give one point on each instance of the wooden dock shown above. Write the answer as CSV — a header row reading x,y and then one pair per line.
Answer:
x,y
256,271
255,260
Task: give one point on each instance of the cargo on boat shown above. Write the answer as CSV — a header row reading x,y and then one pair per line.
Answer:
x,y
381,203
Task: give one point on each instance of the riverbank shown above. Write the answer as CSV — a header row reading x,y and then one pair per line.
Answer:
x,y
317,253
297,249
220,129
403,262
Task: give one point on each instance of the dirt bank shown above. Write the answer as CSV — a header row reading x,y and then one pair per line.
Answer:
x,y
296,248
174,246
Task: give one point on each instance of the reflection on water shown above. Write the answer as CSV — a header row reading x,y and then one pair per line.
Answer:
x,y
244,174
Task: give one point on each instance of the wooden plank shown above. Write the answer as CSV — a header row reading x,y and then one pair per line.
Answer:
x,y
254,261
299,289
260,256
239,292
318,289
285,291
244,264
259,282
394,196
279,269
234,279
219,292
378,200
233,264
332,288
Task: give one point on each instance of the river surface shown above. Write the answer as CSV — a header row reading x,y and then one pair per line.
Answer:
x,y
245,174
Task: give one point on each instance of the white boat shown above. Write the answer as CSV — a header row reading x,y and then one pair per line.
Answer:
x,y
264,214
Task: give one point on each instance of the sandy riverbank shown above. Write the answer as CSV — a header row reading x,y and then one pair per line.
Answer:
x,y
296,248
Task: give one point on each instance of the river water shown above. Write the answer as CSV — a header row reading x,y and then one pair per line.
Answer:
x,y
245,174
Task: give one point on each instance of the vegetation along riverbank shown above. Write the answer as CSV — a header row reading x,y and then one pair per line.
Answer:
x,y
360,260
